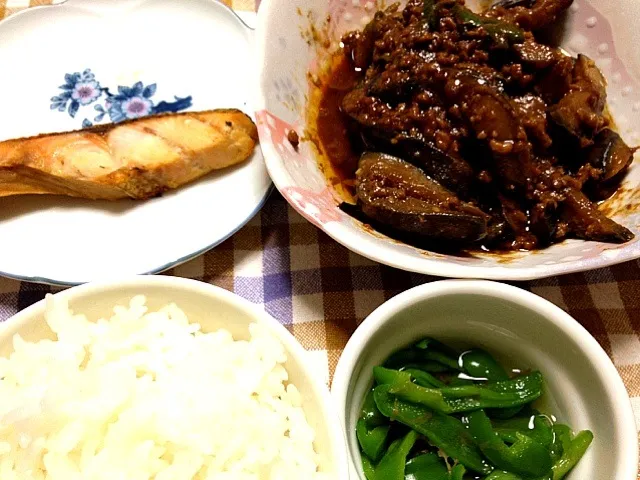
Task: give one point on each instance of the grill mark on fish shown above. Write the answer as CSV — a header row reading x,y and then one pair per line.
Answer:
x,y
101,163
170,143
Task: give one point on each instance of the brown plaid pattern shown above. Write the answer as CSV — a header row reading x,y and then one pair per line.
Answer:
x,y
321,291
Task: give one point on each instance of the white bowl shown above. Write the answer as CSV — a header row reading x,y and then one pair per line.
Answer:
x,y
213,308
293,41
583,388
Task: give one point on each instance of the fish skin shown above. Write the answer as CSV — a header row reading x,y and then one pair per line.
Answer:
x,y
136,159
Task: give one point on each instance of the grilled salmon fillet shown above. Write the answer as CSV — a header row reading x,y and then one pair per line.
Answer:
x,y
136,159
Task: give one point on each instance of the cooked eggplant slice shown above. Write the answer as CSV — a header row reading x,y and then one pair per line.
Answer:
x,y
399,195
513,3
359,45
608,161
493,119
540,14
599,191
587,222
388,129
517,219
610,154
555,82
533,112
580,111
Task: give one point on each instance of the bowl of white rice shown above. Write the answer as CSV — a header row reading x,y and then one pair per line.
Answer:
x,y
160,378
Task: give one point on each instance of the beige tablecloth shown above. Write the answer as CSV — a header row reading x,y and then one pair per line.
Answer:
x,y
321,291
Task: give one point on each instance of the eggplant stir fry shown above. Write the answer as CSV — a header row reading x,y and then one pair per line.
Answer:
x,y
462,128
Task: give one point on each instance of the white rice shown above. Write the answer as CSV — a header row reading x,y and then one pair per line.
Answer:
x,y
146,395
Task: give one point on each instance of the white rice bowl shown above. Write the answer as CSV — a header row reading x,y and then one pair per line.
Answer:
x,y
146,395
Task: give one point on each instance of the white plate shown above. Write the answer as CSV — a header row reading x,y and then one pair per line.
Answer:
x,y
192,48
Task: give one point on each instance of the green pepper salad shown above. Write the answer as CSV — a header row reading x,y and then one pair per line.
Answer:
x,y
437,414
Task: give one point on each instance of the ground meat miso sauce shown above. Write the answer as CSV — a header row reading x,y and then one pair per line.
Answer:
x,y
457,128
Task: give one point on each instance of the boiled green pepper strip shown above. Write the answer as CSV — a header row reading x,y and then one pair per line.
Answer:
x,y
420,359
444,432
391,467
561,435
478,363
525,457
439,352
433,344
507,436
504,413
502,33
516,423
457,382
457,472
428,355
368,468
427,366
538,428
500,475
428,466
573,452
370,413
462,398
372,441
519,388
518,391
403,388
565,451
387,376
542,431
424,379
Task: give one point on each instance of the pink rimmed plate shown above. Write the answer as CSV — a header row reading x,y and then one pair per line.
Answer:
x,y
294,40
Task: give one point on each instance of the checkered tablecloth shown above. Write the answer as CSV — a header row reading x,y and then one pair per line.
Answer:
x,y
321,291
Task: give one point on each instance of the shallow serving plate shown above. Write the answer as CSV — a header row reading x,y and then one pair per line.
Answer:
x,y
92,61
294,39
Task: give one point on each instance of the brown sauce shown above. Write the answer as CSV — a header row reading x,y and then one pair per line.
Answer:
x,y
331,124
508,139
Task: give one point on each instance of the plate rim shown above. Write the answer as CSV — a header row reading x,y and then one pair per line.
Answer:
x,y
46,280
174,263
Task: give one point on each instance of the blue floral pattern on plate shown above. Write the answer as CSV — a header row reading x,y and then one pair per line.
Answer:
x,y
81,89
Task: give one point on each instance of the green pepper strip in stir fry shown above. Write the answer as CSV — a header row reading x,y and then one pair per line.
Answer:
x,y
429,12
502,33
